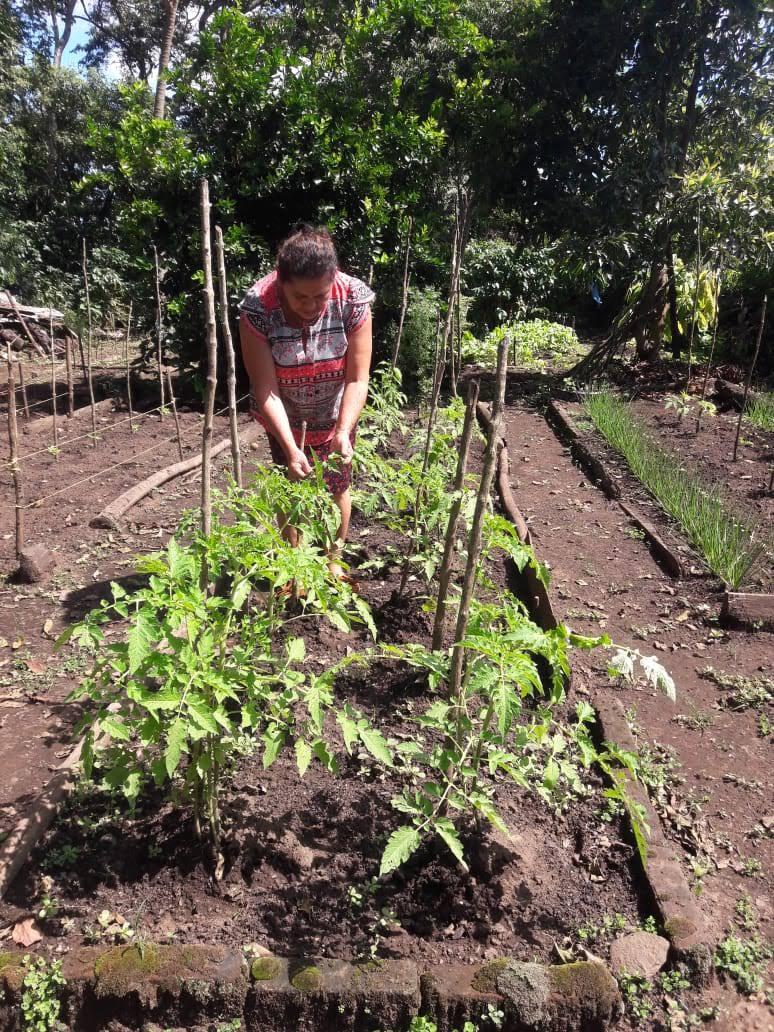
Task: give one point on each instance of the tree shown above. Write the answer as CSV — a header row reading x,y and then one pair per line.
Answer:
x,y
170,16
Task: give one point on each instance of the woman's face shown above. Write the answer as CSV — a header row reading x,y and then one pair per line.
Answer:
x,y
307,298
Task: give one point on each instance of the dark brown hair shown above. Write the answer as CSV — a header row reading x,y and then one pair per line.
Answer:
x,y
308,253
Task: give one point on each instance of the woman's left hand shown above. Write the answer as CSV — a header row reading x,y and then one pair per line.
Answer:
x,y
342,445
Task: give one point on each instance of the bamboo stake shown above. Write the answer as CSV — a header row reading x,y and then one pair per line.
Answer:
x,y
476,529
175,416
159,358
404,299
212,365
230,362
750,375
126,363
13,441
712,348
23,386
24,326
53,385
445,572
89,346
69,376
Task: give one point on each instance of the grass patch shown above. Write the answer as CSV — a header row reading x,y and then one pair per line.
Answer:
x,y
760,410
731,546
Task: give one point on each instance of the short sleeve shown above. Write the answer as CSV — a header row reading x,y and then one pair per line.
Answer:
x,y
253,312
357,305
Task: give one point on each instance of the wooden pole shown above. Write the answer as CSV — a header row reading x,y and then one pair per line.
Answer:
x,y
477,525
404,299
445,571
69,375
712,348
23,386
212,364
695,295
236,455
159,357
24,326
13,440
53,385
750,375
126,363
89,345
175,416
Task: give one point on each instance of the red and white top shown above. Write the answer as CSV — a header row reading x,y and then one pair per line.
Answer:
x,y
310,359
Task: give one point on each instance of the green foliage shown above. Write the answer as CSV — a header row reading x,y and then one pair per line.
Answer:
x,y
40,1003
701,318
420,332
744,961
536,344
731,544
759,411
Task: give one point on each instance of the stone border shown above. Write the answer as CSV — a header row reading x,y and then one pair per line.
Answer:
x,y
562,421
187,987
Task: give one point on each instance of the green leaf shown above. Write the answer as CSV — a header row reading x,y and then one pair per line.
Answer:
x,y
348,729
140,639
115,728
401,844
176,739
273,740
303,756
240,593
448,833
295,650
374,742
202,715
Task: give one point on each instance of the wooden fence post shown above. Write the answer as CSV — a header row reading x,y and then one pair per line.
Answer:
x,y
23,386
175,416
750,375
89,346
159,358
69,375
13,440
126,362
212,367
53,384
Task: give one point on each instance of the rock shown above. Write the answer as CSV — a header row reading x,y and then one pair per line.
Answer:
x,y
640,953
527,989
35,563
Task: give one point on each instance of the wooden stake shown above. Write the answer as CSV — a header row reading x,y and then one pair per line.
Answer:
x,y
173,403
126,363
750,375
712,348
476,529
159,358
69,375
230,362
212,364
89,346
53,385
445,571
13,440
695,295
404,299
25,402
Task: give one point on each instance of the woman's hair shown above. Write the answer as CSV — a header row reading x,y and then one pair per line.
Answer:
x,y
308,253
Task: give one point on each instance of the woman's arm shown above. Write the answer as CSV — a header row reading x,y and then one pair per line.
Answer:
x,y
259,363
355,388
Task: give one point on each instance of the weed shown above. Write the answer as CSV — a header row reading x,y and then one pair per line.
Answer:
x,y
234,1025
637,993
760,410
765,726
673,981
731,546
743,692
58,859
746,914
40,1003
610,924
743,960
751,866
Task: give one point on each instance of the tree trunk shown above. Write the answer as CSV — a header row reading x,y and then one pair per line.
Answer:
x,y
61,39
170,17
674,323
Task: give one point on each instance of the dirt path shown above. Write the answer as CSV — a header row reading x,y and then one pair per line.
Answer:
x,y
605,579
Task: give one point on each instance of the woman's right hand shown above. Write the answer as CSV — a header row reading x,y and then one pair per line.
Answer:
x,y
298,466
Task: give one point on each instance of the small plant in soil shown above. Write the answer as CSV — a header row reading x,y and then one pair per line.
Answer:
x,y
41,988
744,961
760,411
732,545
742,692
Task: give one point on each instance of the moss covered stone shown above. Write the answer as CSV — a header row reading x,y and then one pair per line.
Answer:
x,y
127,967
485,980
8,960
526,988
307,979
263,969
679,928
585,983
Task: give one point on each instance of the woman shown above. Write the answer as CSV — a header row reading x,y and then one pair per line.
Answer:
x,y
306,342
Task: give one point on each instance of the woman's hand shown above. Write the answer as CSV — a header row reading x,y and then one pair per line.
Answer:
x,y
342,445
298,465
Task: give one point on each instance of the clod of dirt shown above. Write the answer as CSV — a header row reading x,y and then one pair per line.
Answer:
x,y
640,953
35,563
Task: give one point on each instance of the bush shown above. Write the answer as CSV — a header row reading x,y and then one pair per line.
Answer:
x,y
535,344
417,350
